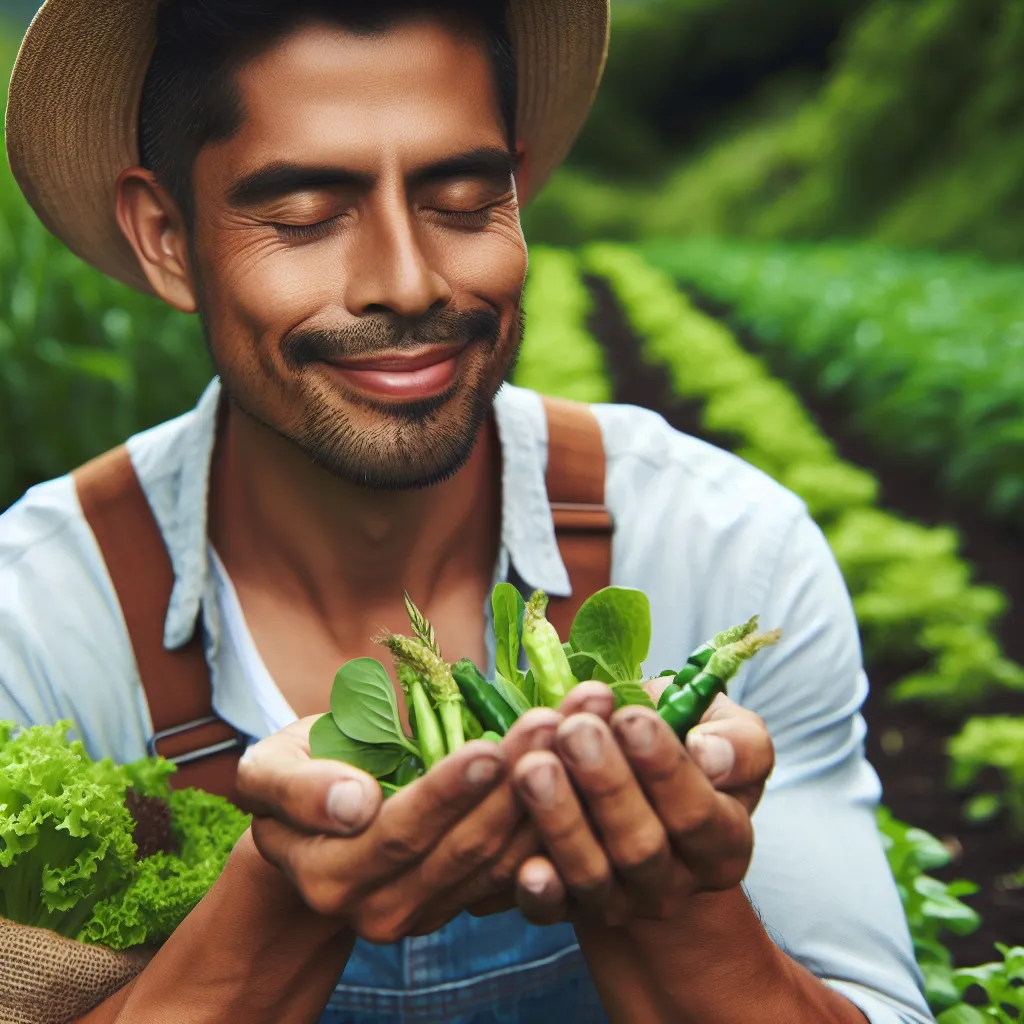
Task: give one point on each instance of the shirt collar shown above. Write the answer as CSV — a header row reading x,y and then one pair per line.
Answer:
x,y
173,464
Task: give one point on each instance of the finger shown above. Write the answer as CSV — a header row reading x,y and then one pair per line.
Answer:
x,y
278,777
708,830
631,832
734,749
654,688
414,821
437,889
592,697
499,876
534,730
329,871
540,894
543,786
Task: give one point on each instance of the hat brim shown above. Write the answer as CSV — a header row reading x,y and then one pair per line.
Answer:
x,y
72,111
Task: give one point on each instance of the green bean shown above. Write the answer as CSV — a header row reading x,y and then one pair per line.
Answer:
x,y
427,727
491,737
483,699
443,689
547,656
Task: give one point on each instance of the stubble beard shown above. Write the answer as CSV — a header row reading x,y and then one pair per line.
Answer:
x,y
411,445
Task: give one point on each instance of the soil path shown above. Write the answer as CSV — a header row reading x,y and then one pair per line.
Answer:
x,y
912,763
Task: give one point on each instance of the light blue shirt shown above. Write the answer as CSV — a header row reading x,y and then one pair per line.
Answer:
x,y
710,539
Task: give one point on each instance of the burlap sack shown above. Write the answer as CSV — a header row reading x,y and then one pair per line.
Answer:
x,y
47,979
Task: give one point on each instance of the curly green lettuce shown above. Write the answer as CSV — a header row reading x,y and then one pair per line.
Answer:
x,y
167,887
68,860
65,833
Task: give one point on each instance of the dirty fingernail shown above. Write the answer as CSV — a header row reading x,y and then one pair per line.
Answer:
x,y
585,746
482,772
713,755
637,733
346,803
540,785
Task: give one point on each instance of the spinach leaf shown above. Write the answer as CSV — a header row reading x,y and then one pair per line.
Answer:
x,y
364,705
631,693
530,690
327,741
584,668
512,695
508,607
614,628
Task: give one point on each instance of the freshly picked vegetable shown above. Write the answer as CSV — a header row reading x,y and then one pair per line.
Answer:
x,y
99,863
98,852
609,642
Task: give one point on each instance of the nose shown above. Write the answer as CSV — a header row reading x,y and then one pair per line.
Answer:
x,y
392,271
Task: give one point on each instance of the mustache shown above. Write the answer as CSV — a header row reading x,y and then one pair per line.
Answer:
x,y
381,333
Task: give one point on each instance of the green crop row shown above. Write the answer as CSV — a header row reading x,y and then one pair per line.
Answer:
x,y
912,592
560,357
924,352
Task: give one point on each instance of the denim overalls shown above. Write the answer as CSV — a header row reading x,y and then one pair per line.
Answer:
x,y
490,970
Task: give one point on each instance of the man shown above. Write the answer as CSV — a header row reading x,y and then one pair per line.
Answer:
x,y
334,187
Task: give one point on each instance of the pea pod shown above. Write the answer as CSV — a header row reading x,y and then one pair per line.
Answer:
x,y
547,655
686,707
699,658
483,699
428,729
438,676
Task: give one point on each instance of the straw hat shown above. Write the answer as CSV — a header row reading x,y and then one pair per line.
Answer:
x,y
76,88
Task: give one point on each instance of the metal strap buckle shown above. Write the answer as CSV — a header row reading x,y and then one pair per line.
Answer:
x,y
195,755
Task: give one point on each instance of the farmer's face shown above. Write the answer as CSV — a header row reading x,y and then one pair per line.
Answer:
x,y
359,252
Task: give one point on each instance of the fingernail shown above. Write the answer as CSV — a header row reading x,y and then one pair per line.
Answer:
x,y
534,879
543,739
637,733
540,784
713,754
482,772
346,803
584,745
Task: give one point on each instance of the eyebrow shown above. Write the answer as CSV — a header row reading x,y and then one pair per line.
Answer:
x,y
282,179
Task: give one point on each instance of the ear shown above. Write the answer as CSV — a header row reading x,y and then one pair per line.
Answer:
x,y
155,228
523,173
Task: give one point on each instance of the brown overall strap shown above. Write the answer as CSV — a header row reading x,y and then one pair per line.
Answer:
x,y
583,524
177,683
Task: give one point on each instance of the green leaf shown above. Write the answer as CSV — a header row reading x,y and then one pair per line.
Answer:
x,y
513,696
364,705
530,691
508,607
328,742
963,1014
614,628
631,693
983,807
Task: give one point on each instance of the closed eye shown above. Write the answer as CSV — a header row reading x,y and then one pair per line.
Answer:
x,y
307,232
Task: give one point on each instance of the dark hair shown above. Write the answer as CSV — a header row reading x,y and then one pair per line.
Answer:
x,y
189,98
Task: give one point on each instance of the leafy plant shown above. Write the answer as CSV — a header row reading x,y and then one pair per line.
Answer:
x,y
1002,982
932,907
992,742
67,853
925,352
912,592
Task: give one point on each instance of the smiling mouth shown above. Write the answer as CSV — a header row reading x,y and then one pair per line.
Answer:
x,y
412,376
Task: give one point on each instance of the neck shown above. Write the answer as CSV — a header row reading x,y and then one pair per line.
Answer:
x,y
279,521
